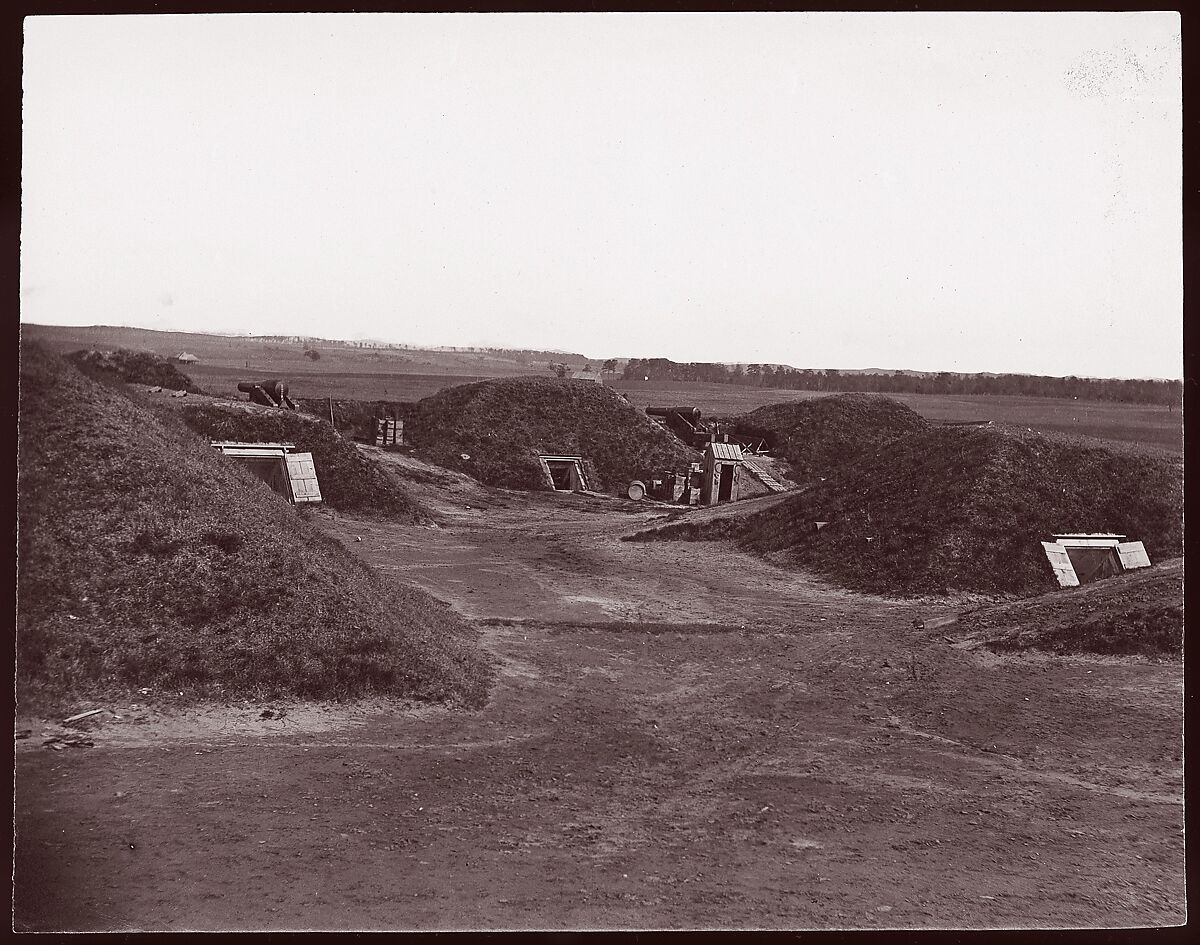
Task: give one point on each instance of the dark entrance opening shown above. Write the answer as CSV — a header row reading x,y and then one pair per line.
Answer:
x,y
270,469
561,474
564,472
725,484
1092,564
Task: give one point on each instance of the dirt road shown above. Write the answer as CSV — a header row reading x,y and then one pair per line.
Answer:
x,y
788,755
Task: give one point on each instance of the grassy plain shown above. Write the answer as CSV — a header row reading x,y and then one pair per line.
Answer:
x,y
409,375
1143,425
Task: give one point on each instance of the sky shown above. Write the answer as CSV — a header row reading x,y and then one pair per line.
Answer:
x,y
927,191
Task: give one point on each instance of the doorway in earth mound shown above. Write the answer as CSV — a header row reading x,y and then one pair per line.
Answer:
x,y
1092,564
565,473
270,469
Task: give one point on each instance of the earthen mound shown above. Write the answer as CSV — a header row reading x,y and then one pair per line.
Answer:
x,y
959,509
350,481
815,436
1135,614
132,367
502,425
149,561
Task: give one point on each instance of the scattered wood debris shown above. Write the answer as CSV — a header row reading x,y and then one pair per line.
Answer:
x,y
82,715
59,742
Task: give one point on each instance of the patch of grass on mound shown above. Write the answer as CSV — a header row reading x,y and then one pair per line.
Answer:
x,y
503,424
148,560
1136,631
350,481
132,367
1136,614
959,509
818,435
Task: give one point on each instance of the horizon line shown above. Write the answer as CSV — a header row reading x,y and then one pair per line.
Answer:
x,y
228,333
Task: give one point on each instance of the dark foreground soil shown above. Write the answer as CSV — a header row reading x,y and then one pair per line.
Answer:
x,y
681,737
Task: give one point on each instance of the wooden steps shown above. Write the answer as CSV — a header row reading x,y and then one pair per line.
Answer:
x,y
764,476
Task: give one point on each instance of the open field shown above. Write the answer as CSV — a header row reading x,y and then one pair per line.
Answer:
x,y
369,374
1144,426
341,372
682,736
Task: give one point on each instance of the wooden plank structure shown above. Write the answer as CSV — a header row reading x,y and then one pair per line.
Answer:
x,y
722,467
1133,555
388,431
564,473
290,474
302,477
763,475
669,487
1093,555
1060,561
1084,557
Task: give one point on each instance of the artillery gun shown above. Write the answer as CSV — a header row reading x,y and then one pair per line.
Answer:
x,y
268,393
684,422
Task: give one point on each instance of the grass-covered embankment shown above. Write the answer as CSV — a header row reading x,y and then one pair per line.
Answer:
x,y
350,481
146,559
1137,614
818,435
958,509
132,367
502,425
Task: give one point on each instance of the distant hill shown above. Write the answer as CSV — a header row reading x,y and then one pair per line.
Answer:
x,y
224,359
906,373
233,349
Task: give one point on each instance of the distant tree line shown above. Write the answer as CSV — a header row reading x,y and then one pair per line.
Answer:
x,y
788,378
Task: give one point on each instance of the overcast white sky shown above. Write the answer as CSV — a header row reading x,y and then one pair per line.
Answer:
x,y
973,192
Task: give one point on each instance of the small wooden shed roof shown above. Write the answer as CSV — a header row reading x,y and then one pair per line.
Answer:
x,y
729,452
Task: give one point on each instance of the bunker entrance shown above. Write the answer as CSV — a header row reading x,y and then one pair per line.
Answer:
x,y
1080,558
270,469
1092,564
292,475
565,473
560,475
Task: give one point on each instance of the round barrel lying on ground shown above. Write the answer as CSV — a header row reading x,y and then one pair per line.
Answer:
x,y
636,490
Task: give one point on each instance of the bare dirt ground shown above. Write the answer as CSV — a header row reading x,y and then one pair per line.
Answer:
x,y
786,755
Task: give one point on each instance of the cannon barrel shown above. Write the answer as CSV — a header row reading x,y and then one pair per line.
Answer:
x,y
689,413
269,386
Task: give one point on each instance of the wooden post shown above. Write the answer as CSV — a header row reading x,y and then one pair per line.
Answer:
x,y
331,423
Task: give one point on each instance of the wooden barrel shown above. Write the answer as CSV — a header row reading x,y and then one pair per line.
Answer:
x,y
636,490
